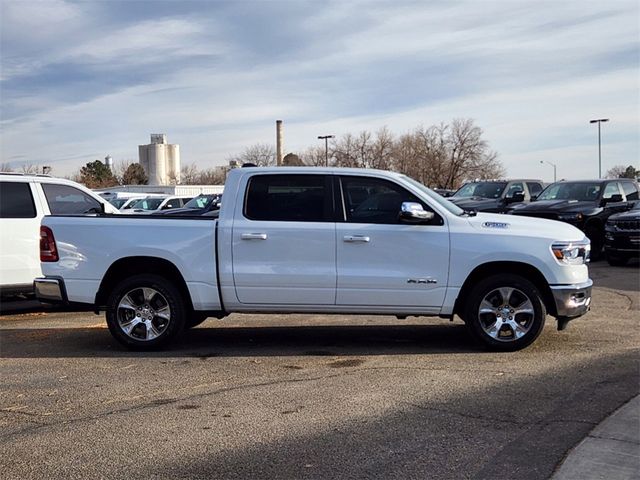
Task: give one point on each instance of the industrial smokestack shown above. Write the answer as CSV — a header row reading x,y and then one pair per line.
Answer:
x,y
108,161
279,143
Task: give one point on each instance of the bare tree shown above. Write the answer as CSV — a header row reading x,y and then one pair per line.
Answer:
x,y
441,156
620,171
29,168
134,175
382,149
119,168
189,174
213,176
314,156
344,150
260,154
6,167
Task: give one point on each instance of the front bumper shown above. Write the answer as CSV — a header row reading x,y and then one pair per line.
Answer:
x,y
624,243
50,290
572,300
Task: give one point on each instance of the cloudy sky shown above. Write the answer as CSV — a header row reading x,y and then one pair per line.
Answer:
x,y
80,80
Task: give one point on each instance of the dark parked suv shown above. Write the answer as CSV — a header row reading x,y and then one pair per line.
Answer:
x,y
587,204
622,236
207,205
495,195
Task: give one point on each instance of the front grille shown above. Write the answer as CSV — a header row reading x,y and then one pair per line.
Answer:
x,y
626,225
550,216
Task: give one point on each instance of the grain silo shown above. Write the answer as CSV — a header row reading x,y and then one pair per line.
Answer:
x,y
160,160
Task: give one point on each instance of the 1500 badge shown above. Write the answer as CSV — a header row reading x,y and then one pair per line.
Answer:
x,y
495,225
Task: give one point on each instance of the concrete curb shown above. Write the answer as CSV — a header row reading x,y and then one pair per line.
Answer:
x,y
610,452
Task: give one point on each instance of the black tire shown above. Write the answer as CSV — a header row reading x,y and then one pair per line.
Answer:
x,y
596,235
616,260
195,319
150,307
521,295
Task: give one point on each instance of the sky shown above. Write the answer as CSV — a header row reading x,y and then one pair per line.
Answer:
x,y
82,80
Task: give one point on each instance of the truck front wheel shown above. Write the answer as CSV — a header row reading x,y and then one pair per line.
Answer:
x,y
145,312
505,312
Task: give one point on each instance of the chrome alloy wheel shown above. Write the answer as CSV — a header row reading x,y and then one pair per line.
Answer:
x,y
506,314
143,313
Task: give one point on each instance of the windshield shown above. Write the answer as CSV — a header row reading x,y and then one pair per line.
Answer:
x,y
481,189
571,191
203,201
434,196
118,202
148,203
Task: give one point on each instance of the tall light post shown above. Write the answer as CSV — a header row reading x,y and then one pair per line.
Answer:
x,y
599,121
554,169
326,147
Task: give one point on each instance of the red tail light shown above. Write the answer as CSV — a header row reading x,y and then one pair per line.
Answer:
x,y
48,250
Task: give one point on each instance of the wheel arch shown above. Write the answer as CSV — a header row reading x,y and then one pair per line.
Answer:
x,y
525,270
123,267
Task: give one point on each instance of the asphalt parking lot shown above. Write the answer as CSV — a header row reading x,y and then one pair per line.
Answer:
x,y
310,396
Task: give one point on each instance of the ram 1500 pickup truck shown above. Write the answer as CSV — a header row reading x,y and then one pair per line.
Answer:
x,y
321,240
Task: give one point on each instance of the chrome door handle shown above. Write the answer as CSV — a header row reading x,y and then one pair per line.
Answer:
x,y
356,238
253,236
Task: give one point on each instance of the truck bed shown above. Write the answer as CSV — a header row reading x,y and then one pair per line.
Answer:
x,y
186,242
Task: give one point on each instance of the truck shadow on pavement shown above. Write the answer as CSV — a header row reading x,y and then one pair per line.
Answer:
x,y
206,342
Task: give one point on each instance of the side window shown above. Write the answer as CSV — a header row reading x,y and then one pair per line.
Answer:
x,y
171,203
611,189
515,187
373,200
16,200
534,188
289,198
67,200
630,190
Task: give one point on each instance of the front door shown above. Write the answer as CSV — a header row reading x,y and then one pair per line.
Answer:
x,y
284,241
381,261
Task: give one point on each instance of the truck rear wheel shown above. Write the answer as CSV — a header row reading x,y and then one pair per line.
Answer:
x,y
505,312
145,312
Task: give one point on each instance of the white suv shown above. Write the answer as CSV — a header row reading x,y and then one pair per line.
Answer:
x,y
24,200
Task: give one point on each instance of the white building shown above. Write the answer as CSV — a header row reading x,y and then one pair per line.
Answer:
x,y
160,160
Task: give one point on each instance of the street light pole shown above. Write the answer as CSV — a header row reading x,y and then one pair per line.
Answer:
x,y
554,169
599,121
326,147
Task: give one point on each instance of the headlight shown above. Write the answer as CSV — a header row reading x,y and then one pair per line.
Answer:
x,y
572,253
570,217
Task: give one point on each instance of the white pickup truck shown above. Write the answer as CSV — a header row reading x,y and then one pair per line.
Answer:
x,y
322,240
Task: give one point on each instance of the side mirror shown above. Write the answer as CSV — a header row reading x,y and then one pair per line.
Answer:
x,y
615,198
515,197
412,212
534,198
167,206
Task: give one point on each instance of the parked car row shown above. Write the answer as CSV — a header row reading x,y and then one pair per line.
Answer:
x,y
135,203
606,210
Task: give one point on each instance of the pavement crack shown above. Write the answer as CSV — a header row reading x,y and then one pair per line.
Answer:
x,y
632,304
165,401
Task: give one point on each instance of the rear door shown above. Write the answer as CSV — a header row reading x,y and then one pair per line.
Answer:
x,y
19,234
381,261
283,241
